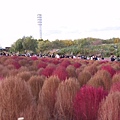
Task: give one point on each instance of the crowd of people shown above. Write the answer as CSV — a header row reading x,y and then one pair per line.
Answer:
x,y
115,58
92,57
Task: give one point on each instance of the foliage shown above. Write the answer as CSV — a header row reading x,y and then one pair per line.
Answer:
x,y
65,62
25,44
48,70
86,46
29,44
110,107
25,76
115,87
76,64
15,97
109,69
64,99
48,95
116,78
101,79
83,77
36,83
86,103
59,72
58,88
44,46
71,71
91,68
42,64
30,113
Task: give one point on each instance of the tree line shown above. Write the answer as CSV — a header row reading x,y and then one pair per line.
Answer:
x,y
84,46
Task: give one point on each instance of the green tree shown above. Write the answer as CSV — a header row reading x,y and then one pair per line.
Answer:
x,y
44,46
29,44
19,45
12,48
57,44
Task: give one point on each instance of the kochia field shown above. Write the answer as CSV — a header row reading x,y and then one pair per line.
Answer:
x,y
59,89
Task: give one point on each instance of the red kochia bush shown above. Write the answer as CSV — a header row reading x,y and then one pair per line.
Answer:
x,y
116,78
65,63
1,77
91,68
87,101
115,87
61,72
48,70
76,64
109,108
34,58
30,113
101,78
64,99
15,96
24,75
47,98
42,64
16,65
71,71
83,77
36,83
55,61
109,69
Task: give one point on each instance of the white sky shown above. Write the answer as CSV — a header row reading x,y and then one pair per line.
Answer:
x,y
61,19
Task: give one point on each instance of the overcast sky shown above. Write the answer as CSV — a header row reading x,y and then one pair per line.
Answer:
x,y
61,19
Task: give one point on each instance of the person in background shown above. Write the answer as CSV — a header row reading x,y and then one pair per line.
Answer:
x,y
112,58
118,58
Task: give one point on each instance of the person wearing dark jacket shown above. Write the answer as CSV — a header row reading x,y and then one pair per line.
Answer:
x,y
112,58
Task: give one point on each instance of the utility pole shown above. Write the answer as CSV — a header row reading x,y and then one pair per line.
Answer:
x,y
39,21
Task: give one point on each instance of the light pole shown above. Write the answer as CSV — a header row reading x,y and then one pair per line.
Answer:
x,y
39,21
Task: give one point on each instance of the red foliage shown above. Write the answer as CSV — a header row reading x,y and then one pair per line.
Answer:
x,y
102,62
65,63
15,96
55,61
76,64
109,69
61,72
42,65
14,57
48,71
1,78
115,87
30,113
87,101
16,65
109,108
118,72
51,60
34,58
